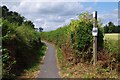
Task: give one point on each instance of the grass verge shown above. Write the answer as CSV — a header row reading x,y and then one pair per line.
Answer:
x,y
34,70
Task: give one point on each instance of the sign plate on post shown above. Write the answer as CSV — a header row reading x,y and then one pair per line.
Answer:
x,y
94,14
95,31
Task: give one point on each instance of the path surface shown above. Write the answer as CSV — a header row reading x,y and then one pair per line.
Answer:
x,y
49,68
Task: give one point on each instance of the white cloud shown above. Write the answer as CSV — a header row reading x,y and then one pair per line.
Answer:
x,y
59,17
109,17
37,20
115,11
89,9
51,15
48,14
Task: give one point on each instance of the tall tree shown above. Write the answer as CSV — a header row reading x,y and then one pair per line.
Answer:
x,y
4,11
29,23
111,28
40,29
12,17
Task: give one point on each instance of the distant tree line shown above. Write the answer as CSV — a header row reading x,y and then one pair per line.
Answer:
x,y
111,28
40,29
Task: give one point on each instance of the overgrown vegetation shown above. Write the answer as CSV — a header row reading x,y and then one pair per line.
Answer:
x,y
33,71
75,49
83,70
21,44
111,44
75,39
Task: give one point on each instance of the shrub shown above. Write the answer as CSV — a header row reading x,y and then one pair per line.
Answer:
x,y
75,38
21,44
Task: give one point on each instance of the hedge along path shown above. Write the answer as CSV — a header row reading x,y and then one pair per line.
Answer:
x,y
49,68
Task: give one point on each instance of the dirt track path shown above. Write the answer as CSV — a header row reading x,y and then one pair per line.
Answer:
x,y
49,68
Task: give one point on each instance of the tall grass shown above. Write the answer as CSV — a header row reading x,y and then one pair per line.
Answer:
x,y
112,36
112,45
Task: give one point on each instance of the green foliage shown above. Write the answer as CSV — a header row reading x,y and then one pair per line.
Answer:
x,y
58,37
112,47
8,62
111,28
12,17
29,23
82,35
60,56
21,44
15,18
111,44
76,36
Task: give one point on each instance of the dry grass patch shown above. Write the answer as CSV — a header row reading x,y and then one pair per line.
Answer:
x,y
83,70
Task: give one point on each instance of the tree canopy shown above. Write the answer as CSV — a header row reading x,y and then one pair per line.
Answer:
x,y
111,28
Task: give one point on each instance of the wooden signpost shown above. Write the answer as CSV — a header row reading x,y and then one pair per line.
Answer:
x,y
95,33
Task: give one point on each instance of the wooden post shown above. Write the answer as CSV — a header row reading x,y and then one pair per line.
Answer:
x,y
95,39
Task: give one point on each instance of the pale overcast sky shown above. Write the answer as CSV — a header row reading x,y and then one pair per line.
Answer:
x,y
51,15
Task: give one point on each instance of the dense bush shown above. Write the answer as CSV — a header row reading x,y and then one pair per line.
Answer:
x,y
21,44
113,49
76,38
